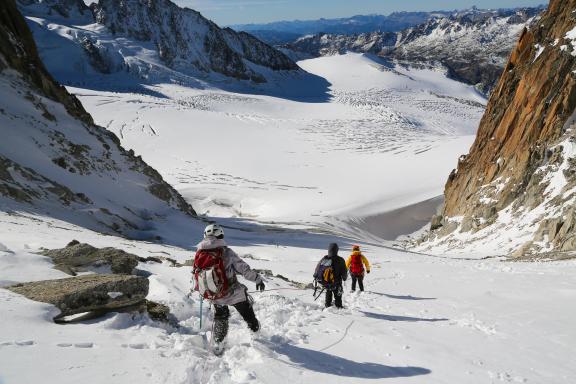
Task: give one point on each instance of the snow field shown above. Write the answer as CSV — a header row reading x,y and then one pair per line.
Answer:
x,y
422,319
382,139
387,138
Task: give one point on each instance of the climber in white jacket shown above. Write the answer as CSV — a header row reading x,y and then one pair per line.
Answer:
x,y
236,294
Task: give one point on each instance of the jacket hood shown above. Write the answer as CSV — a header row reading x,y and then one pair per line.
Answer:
x,y
211,243
333,249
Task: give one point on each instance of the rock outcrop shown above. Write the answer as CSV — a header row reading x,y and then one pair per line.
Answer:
x,y
100,293
79,257
56,161
516,190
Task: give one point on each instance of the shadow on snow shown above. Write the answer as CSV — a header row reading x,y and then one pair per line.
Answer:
x,y
380,316
323,362
401,297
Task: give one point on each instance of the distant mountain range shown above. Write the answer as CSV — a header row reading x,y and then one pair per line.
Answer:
x,y
357,24
473,45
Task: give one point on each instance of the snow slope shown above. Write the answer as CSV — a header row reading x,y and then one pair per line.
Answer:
x,y
55,161
385,139
319,167
422,320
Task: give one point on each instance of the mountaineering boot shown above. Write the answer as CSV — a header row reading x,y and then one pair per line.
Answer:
x,y
220,330
254,326
218,348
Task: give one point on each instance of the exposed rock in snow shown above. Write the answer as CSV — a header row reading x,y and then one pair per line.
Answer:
x,y
517,188
86,293
84,257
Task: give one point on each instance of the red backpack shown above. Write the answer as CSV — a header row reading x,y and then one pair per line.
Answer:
x,y
210,274
356,266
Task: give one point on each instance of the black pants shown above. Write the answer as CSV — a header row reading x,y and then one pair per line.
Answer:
x,y
222,314
360,279
337,292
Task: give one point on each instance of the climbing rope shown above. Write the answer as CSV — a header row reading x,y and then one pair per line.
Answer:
x,y
339,340
279,289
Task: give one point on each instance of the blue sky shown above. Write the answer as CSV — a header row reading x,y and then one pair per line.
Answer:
x,y
225,12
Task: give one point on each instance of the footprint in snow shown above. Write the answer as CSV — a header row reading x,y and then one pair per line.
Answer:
x,y
24,343
136,346
5,249
84,345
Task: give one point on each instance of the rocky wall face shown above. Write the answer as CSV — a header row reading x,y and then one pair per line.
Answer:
x,y
522,162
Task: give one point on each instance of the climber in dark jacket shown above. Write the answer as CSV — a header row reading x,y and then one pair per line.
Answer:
x,y
340,274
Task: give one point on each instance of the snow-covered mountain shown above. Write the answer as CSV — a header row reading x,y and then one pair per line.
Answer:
x,y
515,192
152,40
64,8
473,45
55,161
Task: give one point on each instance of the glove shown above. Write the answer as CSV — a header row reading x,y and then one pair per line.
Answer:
x,y
260,286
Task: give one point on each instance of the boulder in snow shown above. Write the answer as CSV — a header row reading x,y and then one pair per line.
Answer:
x,y
90,293
78,257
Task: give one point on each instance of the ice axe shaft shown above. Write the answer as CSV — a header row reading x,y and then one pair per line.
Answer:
x,y
201,312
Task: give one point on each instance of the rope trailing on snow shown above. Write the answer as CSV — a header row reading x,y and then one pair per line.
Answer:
x,y
278,289
339,340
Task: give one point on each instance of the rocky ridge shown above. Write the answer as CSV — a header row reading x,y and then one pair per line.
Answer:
x,y
183,39
516,190
473,45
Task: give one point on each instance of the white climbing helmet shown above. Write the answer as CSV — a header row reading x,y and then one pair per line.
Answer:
x,y
213,230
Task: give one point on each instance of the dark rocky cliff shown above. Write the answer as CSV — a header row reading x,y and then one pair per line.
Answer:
x,y
519,179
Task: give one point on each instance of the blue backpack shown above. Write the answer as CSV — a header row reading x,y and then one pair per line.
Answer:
x,y
324,274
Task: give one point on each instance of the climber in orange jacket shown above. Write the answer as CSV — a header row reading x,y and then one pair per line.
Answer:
x,y
355,265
